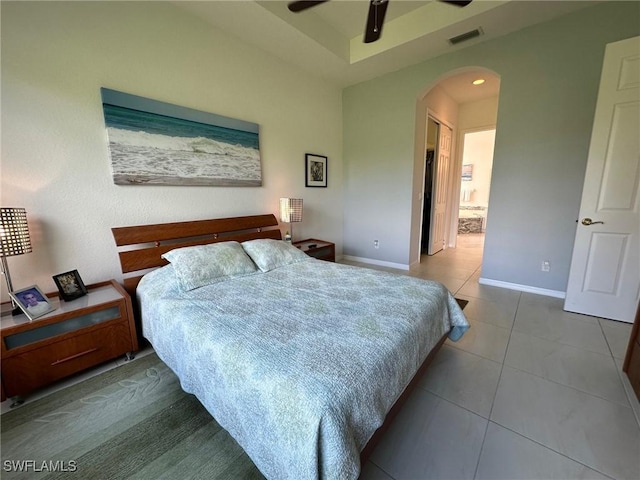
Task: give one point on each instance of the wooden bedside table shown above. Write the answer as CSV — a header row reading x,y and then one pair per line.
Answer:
x,y
77,335
317,248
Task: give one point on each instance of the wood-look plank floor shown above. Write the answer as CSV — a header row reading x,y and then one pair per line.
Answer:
x,y
132,422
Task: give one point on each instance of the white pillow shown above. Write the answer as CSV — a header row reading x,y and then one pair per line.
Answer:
x,y
207,264
268,254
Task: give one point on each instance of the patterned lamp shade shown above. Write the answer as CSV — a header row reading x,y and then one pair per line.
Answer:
x,y
291,210
14,232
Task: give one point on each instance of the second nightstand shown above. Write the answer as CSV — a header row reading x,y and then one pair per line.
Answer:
x,y
317,248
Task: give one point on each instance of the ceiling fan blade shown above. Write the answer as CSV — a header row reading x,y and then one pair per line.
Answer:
x,y
303,5
375,20
458,3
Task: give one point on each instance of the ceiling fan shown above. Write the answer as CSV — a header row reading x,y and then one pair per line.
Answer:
x,y
375,19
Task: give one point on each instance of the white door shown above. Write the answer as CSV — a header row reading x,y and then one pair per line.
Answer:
x,y
440,191
604,279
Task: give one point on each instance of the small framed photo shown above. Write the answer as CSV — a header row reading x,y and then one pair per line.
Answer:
x,y
315,170
32,301
467,172
70,285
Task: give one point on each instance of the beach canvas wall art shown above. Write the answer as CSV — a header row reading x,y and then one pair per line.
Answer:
x,y
157,143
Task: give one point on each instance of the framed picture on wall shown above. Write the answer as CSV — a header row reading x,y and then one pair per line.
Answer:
x,y
467,172
315,170
181,146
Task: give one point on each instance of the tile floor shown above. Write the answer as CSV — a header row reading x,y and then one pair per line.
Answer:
x,y
529,392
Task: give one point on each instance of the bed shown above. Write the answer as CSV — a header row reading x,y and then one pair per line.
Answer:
x,y
304,362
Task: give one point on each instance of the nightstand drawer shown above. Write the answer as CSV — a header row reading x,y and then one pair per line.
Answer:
x,y
52,330
27,371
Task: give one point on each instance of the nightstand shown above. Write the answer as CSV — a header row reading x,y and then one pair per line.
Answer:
x,y
317,248
77,335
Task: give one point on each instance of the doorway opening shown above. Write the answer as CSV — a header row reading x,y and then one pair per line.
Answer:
x,y
475,183
448,110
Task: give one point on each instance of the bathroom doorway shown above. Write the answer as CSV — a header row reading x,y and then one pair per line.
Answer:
x,y
475,182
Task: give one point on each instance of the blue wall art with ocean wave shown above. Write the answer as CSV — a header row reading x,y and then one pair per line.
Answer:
x,y
157,143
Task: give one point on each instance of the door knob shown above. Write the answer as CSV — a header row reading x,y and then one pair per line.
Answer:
x,y
588,221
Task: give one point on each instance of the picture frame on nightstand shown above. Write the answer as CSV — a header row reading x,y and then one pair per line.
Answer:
x,y
32,301
70,285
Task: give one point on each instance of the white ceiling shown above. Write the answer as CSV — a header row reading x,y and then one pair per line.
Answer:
x,y
349,16
327,39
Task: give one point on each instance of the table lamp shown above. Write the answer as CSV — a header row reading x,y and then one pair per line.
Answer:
x,y
291,211
14,240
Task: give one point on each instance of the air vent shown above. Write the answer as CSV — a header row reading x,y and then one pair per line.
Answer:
x,y
466,36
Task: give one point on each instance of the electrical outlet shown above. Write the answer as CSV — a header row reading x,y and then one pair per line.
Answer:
x,y
376,244
546,266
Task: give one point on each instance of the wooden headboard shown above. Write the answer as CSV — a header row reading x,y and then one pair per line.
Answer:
x,y
147,243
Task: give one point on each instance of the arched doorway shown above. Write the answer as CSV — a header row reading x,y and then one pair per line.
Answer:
x,y
454,102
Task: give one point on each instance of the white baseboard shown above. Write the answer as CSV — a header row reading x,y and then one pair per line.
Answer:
x,y
381,263
522,288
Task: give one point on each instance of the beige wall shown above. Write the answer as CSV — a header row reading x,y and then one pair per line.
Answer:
x,y
57,55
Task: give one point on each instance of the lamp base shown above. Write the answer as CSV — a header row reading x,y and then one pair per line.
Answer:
x,y
10,309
